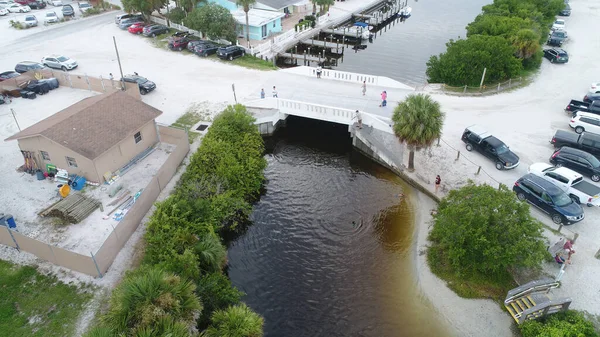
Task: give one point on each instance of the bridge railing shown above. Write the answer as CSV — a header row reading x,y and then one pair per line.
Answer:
x,y
323,112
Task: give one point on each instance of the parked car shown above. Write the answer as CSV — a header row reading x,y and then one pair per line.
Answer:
x,y
230,52
143,83
557,38
570,182
206,49
55,3
556,55
585,121
591,97
154,30
566,11
67,10
84,7
51,17
558,24
577,160
193,44
549,199
477,138
6,3
595,87
7,75
30,21
3,11
59,62
180,43
16,8
125,23
26,66
33,4
120,17
576,106
585,141
137,28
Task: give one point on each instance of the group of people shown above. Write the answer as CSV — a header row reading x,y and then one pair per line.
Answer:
x,y
567,249
274,92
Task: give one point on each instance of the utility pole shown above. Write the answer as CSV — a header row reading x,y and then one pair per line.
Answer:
x,y
15,117
233,88
120,68
482,78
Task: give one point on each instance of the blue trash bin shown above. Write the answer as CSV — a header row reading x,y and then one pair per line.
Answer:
x,y
10,221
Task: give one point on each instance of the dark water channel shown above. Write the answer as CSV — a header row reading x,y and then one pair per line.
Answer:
x,y
306,267
401,50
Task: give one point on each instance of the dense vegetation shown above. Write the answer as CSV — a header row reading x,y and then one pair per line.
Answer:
x,y
32,304
479,234
567,324
180,288
214,21
506,38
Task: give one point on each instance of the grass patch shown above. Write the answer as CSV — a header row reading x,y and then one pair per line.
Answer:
x,y
32,304
191,117
469,286
253,62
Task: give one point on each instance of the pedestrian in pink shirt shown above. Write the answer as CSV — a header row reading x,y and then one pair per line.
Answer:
x,y
383,99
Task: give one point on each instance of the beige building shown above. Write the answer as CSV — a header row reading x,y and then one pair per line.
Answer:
x,y
92,137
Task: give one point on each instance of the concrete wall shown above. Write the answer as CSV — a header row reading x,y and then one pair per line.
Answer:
x,y
117,239
58,154
122,153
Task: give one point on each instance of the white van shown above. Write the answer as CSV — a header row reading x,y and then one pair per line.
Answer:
x,y
585,121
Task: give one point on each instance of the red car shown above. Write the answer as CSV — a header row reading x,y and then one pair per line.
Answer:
x,y
137,28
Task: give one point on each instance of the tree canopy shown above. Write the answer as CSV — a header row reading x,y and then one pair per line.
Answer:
x,y
418,121
482,229
212,20
465,59
145,7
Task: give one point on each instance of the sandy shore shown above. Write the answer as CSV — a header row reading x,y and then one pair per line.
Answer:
x,y
467,317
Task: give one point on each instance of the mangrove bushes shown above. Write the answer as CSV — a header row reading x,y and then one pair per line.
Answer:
x,y
506,38
180,289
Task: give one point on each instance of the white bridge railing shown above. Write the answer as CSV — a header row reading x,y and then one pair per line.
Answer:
x,y
285,107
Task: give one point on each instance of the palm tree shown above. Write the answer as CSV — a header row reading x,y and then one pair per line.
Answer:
x,y
325,5
235,321
314,2
149,299
246,4
212,255
526,42
418,121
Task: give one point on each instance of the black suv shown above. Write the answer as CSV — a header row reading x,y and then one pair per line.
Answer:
x,y
556,55
67,10
557,38
548,198
143,83
577,160
230,52
477,138
205,49
26,66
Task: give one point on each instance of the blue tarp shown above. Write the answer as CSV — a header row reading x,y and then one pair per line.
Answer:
x,y
361,24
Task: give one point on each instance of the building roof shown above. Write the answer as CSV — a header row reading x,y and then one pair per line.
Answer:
x,y
279,4
256,17
93,125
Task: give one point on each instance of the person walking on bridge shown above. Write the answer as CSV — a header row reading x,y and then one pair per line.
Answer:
x,y
275,92
383,99
364,87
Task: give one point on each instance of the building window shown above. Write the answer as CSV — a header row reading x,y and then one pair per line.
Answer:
x,y
137,137
71,162
273,24
45,155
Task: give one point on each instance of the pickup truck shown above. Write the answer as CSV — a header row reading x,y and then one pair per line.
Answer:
x,y
576,106
587,142
477,138
571,182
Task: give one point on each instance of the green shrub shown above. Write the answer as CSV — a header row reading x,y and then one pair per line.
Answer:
x,y
217,293
212,255
93,11
237,320
310,18
17,24
567,324
177,15
151,299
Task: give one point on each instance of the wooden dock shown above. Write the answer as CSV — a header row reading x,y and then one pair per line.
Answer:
x,y
343,32
331,45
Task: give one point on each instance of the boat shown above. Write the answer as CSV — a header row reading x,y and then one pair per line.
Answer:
x,y
405,12
359,31
364,25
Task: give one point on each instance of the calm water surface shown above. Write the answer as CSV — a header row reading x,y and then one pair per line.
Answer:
x,y
306,267
402,51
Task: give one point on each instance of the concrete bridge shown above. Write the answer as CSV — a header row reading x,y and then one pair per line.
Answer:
x,y
376,139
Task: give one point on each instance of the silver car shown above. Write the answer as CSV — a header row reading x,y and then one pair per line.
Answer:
x,y
59,62
51,17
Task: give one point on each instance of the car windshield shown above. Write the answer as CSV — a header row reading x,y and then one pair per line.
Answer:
x,y
561,200
559,34
50,14
595,162
140,80
502,149
84,5
63,58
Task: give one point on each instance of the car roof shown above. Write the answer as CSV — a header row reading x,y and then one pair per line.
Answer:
x,y
494,141
53,55
574,151
587,115
477,129
28,62
549,187
568,173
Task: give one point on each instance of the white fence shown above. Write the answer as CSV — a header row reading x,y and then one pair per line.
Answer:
x,y
370,80
317,111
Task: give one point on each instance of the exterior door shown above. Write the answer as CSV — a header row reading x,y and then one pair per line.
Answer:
x,y
264,31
